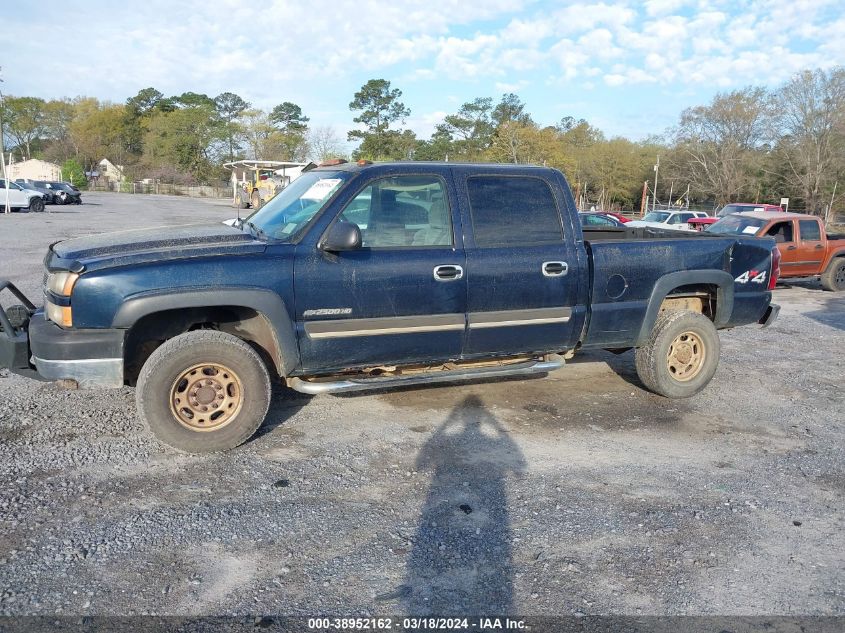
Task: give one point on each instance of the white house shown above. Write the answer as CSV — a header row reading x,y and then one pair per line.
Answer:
x,y
110,171
35,169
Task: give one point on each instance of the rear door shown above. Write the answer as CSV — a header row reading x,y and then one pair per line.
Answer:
x,y
811,247
523,271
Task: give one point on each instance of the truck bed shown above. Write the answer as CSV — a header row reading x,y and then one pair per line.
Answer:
x,y
627,265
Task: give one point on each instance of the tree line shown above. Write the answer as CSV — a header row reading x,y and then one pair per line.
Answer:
x,y
752,145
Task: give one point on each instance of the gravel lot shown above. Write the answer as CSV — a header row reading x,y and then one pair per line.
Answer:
x,y
576,493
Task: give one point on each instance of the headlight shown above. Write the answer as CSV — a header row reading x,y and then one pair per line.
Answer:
x,y
62,283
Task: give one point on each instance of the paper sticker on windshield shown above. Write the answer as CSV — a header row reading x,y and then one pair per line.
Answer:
x,y
751,230
320,189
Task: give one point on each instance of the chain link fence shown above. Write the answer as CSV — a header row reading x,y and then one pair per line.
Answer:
x,y
222,190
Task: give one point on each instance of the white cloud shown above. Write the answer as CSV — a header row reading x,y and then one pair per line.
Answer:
x,y
318,54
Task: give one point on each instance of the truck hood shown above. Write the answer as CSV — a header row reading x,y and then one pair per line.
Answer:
x,y
150,245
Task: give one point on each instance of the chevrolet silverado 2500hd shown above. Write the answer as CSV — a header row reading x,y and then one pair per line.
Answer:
x,y
361,276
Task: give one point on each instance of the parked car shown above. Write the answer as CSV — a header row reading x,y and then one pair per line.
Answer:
x,y
806,248
463,271
699,224
678,220
624,219
599,219
39,186
65,193
21,197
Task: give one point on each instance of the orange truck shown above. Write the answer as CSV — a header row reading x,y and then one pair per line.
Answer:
x,y
806,248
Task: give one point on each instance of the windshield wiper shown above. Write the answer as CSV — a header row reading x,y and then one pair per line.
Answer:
x,y
259,232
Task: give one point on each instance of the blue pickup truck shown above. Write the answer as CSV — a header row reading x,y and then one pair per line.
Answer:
x,y
363,276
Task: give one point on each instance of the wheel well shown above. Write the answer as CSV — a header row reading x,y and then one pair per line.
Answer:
x,y
700,298
150,331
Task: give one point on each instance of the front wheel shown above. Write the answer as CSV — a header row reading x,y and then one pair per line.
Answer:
x,y
203,391
680,356
833,278
36,205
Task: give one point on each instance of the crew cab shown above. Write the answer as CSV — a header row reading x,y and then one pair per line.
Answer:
x,y
806,248
364,276
678,220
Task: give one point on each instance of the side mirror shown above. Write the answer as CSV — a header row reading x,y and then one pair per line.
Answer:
x,y
342,236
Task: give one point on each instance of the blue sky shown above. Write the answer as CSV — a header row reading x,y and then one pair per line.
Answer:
x,y
629,68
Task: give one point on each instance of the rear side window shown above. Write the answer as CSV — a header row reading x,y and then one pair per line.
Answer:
x,y
513,210
809,231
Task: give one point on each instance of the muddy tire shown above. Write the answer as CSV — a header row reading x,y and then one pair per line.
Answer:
x,y
203,391
680,356
833,278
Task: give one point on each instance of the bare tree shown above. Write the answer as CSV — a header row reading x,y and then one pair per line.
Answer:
x,y
811,118
718,145
325,143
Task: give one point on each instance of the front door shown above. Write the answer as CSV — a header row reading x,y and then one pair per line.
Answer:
x,y
401,297
521,268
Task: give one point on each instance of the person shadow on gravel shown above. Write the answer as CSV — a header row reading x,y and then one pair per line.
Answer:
x,y
461,561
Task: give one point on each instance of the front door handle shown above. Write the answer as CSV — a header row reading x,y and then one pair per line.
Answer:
x,y
791,248
555,269
819,247
448,272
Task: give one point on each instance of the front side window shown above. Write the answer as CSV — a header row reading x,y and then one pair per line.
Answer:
x,y
782,232
513,210
401,212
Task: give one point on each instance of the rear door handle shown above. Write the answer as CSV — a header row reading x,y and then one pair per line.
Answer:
x,y
555,269
448,272
791,248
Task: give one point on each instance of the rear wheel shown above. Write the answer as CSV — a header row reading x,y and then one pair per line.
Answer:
x,y
833,278
203,391
36,205
680,356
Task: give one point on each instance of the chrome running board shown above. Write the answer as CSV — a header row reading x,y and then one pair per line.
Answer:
x,y
330,384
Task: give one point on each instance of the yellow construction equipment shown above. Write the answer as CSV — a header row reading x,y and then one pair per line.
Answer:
x,y
255,182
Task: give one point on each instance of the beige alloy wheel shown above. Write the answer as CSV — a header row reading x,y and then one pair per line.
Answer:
x,y
680,355
206,397
686,356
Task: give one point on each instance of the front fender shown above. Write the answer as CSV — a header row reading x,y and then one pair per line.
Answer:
x,y
263,301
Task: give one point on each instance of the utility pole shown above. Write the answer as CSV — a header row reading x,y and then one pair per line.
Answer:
x,y
644,199
3,154
656,170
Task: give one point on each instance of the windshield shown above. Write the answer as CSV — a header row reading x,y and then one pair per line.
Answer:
x,y
737,208
656,216
736,225
295,205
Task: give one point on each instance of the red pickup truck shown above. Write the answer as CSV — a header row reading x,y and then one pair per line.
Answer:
x,y
699,224
806,249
